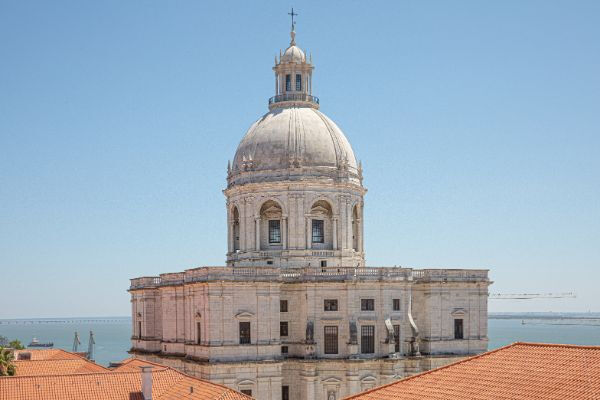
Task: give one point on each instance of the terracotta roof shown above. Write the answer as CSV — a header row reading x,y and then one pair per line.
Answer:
x,y
60,375
167,384
48,354
520,371
56,367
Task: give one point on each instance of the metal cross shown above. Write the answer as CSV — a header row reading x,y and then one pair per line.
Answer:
x,y
293,14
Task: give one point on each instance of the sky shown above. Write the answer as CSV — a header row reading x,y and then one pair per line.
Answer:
x,y
477,124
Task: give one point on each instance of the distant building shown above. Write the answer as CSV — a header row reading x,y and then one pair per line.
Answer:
x,y
520,371
60,375
295,313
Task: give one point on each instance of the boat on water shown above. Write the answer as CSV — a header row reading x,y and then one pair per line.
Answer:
x,y
37,343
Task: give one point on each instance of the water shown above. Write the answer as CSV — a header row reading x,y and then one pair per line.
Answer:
x,y
113,334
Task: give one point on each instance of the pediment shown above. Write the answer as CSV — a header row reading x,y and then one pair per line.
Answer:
x,y
331,379
319,210
458,312
368,379
244,315
246,382
272,212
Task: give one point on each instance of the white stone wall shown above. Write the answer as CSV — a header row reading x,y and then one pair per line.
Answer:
x,y
296,248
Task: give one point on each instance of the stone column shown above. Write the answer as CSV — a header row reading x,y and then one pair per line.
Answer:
x,y
359,239
284,233
348,224
230,236
308,233
257,233
362,228
335,233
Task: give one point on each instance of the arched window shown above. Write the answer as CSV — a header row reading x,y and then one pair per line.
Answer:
x,y
288,82
298,82
270,225
321,228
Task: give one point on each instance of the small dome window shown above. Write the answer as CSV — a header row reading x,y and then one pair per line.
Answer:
x,y
298,82
288,82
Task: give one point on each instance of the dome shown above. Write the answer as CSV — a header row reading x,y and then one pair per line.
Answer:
x,y
293,54
293,138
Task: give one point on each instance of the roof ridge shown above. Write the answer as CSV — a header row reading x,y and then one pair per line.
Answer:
x,y
564,345
79,374
462,361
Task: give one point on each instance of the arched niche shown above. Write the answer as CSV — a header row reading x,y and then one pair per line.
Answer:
x,y
321,225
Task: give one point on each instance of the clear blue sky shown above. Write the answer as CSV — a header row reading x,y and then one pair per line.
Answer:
x,y
477,123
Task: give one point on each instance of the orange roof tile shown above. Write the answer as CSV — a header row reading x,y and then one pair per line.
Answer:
x,y
520,371
56,367
48,354
76,378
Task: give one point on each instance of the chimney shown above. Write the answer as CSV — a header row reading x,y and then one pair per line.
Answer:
x,y
147,382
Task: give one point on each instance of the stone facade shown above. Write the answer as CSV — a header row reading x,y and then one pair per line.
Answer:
x,y
295,313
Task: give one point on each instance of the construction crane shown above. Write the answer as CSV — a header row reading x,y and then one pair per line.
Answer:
x,y
91,343
76,342
529,296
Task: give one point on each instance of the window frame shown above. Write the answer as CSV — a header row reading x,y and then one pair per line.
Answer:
x,y
245,339
333,305
396,338
274,233
298,82
284,328
367,339
288,82
315,228
330,339
283,306
459,329
395,304
285,392
198,332
367,304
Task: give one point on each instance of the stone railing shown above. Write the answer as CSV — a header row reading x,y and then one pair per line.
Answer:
x,y
311,274
450,275
293,97
206,274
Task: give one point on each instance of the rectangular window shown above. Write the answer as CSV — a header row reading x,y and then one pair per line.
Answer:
x,y
288,83
283,328
247,392
244,332
139,329
330,305
274,231
396,304
298,82
285,392
318,231
284,349
397,338
458,329
331,339
283,306
198,332
367,339
367,304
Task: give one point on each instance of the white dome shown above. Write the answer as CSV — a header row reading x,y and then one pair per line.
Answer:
x,y
293,54
290,139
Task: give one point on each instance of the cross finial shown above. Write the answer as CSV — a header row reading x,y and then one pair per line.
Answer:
x,y
293,14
